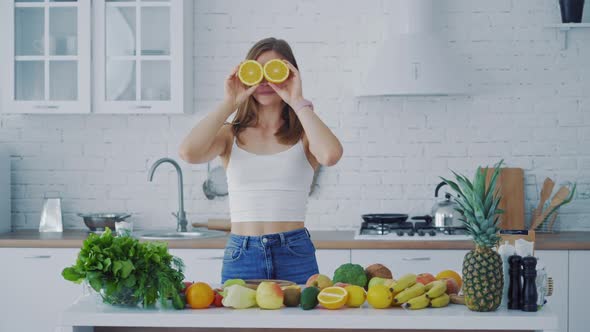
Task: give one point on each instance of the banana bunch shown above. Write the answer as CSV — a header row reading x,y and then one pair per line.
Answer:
x,y
413,295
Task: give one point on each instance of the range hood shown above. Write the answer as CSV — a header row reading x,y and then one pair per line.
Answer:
x,y
413,59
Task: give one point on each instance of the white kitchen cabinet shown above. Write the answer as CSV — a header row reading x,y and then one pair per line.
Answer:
x,y
34,292
579,292
45,56
330,259
205,264
142,56
401,262
556,263
201,264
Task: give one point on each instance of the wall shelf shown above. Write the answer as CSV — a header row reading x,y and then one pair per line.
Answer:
x,y
564,28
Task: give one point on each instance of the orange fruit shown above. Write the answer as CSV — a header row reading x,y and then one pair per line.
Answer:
x,y
333,297
250,72
199,295
276,71
450,274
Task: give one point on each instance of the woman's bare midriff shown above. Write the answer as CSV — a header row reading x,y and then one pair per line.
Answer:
x,y
257,228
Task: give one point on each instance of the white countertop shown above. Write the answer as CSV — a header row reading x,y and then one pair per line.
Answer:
x,y
89,311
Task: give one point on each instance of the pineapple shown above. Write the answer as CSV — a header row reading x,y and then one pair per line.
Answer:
x,y
482,267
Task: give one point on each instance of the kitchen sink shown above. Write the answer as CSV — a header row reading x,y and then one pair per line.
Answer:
x,y
173,235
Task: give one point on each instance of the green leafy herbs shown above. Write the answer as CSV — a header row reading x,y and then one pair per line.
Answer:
x,y
145,271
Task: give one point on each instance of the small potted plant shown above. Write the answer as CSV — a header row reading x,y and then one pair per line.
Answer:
x,y
127,272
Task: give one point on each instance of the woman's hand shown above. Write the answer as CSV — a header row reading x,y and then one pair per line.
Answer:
x,y
235,91
290,90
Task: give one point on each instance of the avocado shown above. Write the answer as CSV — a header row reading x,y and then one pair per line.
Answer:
x,y
309,298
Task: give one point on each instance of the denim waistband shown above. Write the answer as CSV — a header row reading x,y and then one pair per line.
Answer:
x,y
268,240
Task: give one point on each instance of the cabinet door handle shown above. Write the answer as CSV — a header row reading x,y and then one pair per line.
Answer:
x,y
214,258
53,107
416,259
143,107
38,257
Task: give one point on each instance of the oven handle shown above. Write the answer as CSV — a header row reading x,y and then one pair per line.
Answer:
x,y
412,259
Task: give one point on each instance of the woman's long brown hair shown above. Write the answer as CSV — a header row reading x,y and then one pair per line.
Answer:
x,y
247,115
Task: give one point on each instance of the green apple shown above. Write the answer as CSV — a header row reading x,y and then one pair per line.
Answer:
x,y
376,281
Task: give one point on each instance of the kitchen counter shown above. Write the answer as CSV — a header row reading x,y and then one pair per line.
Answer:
x,y
88,313
321,239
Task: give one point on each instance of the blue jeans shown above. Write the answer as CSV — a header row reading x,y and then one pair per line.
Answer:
x,y
285,256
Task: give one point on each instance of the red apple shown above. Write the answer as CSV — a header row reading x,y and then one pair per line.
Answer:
x,y
218,298
452,286
425,278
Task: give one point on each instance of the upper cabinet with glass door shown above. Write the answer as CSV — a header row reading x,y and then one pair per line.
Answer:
x,y
143,56
45,56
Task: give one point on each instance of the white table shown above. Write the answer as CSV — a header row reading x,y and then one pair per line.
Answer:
x,y
88,312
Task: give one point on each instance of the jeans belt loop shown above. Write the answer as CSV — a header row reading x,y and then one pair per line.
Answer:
x,y
283,242
245,242
307,231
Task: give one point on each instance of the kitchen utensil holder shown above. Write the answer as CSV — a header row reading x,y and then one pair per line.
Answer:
x,y
548,226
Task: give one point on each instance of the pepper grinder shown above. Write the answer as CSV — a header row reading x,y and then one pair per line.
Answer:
x,y
529,287
514,290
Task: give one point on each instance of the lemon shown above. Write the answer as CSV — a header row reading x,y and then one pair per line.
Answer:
x,y
356,296
250,72
276,71
333,297
379,296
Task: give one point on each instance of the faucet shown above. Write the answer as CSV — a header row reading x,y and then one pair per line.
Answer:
x,y
181,221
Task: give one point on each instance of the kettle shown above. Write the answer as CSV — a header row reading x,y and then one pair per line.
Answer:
x,y
444,215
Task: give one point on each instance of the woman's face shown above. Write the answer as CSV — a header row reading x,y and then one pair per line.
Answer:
x,y
264,94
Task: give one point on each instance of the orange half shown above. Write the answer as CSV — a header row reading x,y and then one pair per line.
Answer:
x,y
250,72
276,71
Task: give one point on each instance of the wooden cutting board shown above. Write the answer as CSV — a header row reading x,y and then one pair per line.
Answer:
x,y
511,181
216,224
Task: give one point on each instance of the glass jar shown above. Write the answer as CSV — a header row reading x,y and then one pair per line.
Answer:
x,y
123,297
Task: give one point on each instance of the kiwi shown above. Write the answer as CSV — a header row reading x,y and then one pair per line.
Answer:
x,y
292,296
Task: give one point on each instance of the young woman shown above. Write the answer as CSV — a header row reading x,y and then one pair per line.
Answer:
x,y
270,152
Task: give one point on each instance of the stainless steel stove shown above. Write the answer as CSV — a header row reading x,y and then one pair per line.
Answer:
x,y
383,229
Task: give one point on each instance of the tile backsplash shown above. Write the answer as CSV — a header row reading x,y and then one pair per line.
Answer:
x,y
529,104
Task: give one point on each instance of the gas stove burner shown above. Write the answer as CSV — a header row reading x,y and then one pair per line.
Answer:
x,y
375,228
383,229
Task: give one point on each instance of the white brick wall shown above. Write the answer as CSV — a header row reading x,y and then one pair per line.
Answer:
x,y
530,106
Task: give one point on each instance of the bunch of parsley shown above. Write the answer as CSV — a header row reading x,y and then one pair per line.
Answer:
x,y
116,264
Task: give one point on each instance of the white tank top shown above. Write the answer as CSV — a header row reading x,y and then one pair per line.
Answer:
x,y
268,187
